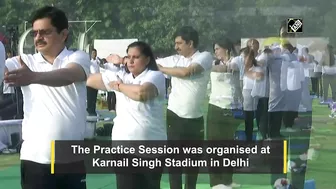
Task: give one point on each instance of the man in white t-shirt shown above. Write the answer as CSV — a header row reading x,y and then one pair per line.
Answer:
x,y
190,74
91,92
53,84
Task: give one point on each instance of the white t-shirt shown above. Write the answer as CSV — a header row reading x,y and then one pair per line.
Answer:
x,y
239,61
137,120
51,113
94,68
222,86
249,82
2,61
329,70
188,94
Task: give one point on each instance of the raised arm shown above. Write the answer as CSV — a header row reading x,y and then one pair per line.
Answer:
x,y
199,64
76,70
151,86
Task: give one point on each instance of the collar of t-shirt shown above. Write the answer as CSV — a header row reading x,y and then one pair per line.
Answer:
x,y
64,53
138,78
190,58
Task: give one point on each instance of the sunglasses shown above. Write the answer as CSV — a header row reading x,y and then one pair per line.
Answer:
x,y
42,33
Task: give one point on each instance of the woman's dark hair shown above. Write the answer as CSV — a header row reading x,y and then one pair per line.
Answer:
x,y
331,55
224,43
145,50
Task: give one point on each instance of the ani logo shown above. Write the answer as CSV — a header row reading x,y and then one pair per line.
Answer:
x,y
294,25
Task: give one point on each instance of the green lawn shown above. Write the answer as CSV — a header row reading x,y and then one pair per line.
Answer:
x,y
322,169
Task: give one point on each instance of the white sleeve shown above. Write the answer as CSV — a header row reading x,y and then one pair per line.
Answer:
x,y
168,62
81,58
204,59
12,64
109,76
157,79
235,62
2,61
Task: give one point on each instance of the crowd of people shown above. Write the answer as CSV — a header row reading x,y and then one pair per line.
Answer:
x,y
59,88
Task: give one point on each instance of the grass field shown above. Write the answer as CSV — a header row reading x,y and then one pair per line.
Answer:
x,y
322,169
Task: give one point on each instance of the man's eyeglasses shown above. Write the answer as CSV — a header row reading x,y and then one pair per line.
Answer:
x,y
42,33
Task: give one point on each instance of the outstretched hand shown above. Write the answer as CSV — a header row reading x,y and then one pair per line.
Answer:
x,y
20,77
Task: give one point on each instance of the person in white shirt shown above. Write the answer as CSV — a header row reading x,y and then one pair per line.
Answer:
x,y
111,96
190,73
91,92
261,89
280,73
53,84
222,126
251,72
329,74
11,103
140,92
295,84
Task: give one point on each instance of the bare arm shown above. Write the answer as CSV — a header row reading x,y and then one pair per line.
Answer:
x,y
182,72
254,75
144,92
96,81
62,77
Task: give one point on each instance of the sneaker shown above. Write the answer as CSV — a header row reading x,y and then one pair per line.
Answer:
x,y
290,130
235,185
9,151
221,186
107,119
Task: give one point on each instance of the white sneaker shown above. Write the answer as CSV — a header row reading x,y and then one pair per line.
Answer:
x,y
107,119
221,186
235,185
290,130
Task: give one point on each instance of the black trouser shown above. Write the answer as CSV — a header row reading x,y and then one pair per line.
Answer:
x,y
274,124
249,120
289,118
141,179
9,107
262,117
38,176
315,85
184,129
298,144
221,125
111,101
138,181
91,100
6,100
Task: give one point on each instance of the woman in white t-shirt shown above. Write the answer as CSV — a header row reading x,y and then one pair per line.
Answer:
x,y
252,72
221,123
140,92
